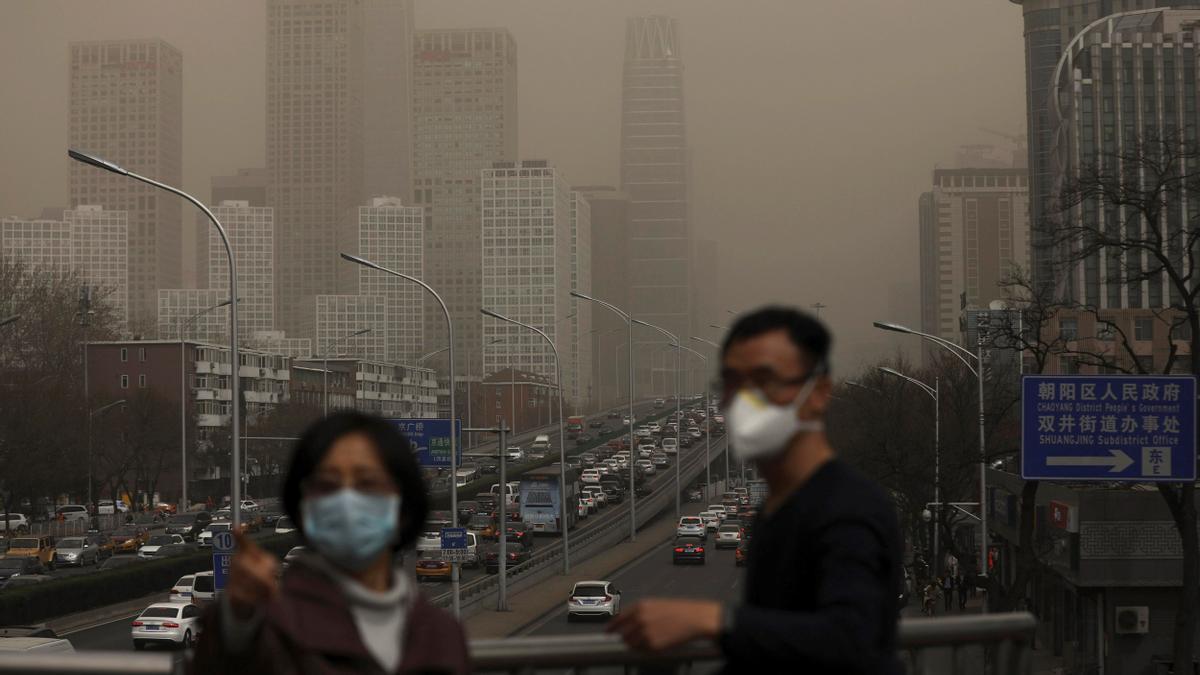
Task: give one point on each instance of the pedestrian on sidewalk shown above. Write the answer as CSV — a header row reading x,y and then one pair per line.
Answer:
x,y
355,491
948,591
929,597
824,566
962,591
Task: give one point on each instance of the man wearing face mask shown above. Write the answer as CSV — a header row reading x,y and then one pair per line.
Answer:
x,y
823,569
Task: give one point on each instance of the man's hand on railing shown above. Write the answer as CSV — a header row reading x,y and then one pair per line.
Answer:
x,y
660,624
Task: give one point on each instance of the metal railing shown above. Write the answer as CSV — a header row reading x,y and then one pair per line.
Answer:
x,y
87,663
997,644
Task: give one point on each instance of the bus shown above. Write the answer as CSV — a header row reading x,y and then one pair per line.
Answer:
x,y
540,498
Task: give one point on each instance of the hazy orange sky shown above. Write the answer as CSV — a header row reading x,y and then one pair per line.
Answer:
x,y
813,125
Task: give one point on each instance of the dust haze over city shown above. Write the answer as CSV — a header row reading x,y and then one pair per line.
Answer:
x,y
524,307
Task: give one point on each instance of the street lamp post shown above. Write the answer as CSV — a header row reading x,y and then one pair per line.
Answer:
x,y
325,365
628,319
708,410
933,393
562,435
963,354
678,448
183,496
92,414
707,437
454,571
234,360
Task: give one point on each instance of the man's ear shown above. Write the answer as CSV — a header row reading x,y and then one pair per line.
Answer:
x,y
818,401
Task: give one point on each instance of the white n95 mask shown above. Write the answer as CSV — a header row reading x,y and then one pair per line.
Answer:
x,y
759,428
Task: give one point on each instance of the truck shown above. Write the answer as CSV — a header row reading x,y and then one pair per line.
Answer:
x,y
574,425
540,498
540,444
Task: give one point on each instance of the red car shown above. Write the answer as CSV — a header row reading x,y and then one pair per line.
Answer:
x,y
739,556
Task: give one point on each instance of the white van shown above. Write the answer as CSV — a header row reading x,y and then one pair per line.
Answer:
x,y
465,475
541,443
34,644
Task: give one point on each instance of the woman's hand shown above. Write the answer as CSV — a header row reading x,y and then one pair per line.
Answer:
x,y
253,576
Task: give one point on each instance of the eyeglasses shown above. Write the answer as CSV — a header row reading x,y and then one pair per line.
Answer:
x,y
321,485
773,386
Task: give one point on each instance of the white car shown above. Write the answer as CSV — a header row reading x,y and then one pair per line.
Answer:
x,y
70,512
590,502
430,540
581,509
645,450
204,539
204,587
642,431
105,508
691,526
654,427
625,420
182,590
284,525
156,542
515,454
660,460
647,467
729,536
595,492
17,522
249,505
589,476
711,520
670,445
176,623
593,598
695,432
719,509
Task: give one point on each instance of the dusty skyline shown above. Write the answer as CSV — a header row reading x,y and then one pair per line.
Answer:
x,y
813,126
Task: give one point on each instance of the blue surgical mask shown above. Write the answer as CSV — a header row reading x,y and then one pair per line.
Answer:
x,y
351,528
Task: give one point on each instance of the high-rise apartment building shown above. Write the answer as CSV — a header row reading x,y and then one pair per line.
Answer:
x,y
464,119
1049,26
1126,80
90,241
527,266
974,234
126,105
578,375
339,317
192,314
314,147
387,109
247,185
393,236
654,173
609,208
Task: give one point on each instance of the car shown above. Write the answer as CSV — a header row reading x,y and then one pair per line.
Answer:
x,y
76,551
695,494
270,515
670,445
646,450
596,492
660,460
613,415
695,433
156,542
174,623
687,548
719,509
514,454
647,467
71,512
654,427
102,544
204,588
205,537
613,492
249,505
596,423
430,539
284,525
658,402
120,561
583,439
581,510
39,547
14,567
691,526
129,538
432,567
483,525
16,522
593,598
588,458
589,476
291,555
711,521
106,507
517,553
686,441
729,536
521,532
181,590
189,525
466,509
739,555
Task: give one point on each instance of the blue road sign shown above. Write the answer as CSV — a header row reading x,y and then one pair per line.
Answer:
x,y
454,537
223,545
431,439
1108,427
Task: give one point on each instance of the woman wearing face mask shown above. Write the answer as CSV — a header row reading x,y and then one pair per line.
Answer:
x,y
355,490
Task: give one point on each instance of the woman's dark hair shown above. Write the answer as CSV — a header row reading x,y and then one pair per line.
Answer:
x,y
804,330
394,450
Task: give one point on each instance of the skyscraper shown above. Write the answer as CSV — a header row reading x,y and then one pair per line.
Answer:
x,y
314,148
654,173
393,236
609,210
387,109
247,185
464,101
527,266
1049,26
578,366
126,105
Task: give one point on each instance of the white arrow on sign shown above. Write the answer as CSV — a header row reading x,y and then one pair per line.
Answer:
x,y
1117,461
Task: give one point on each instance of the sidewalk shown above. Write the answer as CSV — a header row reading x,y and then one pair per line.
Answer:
x,y
531,604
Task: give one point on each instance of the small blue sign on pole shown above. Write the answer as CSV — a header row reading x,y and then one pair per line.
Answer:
x,y
1108,428
430,439
454,537
223,546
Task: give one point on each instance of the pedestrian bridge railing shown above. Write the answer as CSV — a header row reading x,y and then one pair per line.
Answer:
x,y
992,644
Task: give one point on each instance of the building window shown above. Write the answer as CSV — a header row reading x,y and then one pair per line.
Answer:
x,y
1106,332
142,354
1145,362
1068,365
124,354
1143,328
1182,331
142,381
124,380
1068,329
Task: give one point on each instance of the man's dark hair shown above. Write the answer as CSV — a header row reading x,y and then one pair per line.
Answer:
x,y
805,331
394,451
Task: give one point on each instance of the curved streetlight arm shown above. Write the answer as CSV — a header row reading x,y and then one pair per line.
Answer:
x,y
337,341
710,343
235,501
852,383
425,357
107,406
958,350
924,387
671,336
624,315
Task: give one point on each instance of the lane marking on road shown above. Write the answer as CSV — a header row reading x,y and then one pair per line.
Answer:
x,y
83,629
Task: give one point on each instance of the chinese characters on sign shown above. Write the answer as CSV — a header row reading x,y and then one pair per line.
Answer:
x,y
1108,427
431,439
